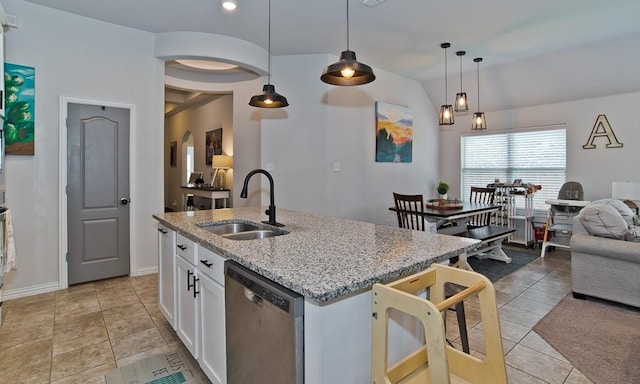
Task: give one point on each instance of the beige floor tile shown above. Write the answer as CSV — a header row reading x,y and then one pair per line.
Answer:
x,y
525,304
26,363
477,342
518,316
111,301
547,297
81,359
78,332
16,331
90,376
69,309
577,377
130,325
538,364
517,376
122,312
142,355
534,341
512,331
136,343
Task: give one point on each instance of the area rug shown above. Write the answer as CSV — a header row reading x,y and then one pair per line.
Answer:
x,y
165,368
600,338
495,270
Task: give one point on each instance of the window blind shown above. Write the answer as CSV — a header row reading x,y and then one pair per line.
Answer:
x,y
537,156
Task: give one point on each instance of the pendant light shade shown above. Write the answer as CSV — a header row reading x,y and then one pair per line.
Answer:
x,y
462,103
347,70
269,98
479,122
446,110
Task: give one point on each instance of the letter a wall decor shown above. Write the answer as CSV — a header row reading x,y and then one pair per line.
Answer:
x,y
602,128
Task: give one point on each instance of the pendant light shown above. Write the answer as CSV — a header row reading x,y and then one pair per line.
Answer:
x,y
478,123
462,103
446,110
347,70
269,98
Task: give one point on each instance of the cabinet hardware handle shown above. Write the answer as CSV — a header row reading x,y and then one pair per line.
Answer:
x,y
163,231
195,292
205,262
189,285
183,247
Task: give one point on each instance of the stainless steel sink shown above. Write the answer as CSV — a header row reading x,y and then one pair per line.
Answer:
x,y
228,228
241,230
253,235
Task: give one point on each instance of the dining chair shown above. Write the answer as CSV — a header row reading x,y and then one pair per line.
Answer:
x,y
484,196
410,211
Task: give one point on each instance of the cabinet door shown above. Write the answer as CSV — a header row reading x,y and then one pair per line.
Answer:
x,y
166,268
213,350
188,305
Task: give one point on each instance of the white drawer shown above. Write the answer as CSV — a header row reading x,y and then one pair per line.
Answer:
x,y
211,265
187,249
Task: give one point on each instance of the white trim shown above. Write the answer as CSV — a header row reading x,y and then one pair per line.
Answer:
x,y
17,293
515,130
63,277
146,271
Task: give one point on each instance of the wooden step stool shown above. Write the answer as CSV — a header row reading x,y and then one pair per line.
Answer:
x,y
436,362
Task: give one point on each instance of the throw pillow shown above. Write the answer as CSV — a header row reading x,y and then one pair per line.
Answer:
x,y
621,207
602,219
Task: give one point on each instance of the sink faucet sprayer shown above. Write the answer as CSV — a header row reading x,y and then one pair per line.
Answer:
x,y
271,212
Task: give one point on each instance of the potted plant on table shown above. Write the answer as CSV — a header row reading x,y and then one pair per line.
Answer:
x,y
442,188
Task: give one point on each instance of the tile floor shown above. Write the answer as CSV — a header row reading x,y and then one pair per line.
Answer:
x,y
78,334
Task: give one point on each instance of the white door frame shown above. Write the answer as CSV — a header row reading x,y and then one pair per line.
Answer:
x,y
63,278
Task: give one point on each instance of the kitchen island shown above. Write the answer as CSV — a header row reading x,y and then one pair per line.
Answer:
x,y
333,263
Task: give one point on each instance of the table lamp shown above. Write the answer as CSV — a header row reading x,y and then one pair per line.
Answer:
x,y
221,163
628,192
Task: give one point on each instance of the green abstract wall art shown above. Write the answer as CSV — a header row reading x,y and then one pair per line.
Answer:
x,y
19,128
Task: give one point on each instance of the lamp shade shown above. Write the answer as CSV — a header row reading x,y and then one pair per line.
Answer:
x,y
347,71
222,161
269,98
626,190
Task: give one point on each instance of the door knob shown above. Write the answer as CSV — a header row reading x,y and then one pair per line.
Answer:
x,y
125,200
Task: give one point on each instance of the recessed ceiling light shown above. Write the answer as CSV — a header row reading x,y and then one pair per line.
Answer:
x,y
229,5
208,65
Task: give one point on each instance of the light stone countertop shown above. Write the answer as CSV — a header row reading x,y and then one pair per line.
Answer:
x,y
322,258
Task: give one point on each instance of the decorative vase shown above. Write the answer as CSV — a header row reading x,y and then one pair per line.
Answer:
x,y
443,199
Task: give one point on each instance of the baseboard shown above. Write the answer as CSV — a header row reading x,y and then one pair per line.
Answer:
x,y
17,293
146,271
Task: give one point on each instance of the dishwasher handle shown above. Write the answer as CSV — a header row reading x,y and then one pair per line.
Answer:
x,y
252,297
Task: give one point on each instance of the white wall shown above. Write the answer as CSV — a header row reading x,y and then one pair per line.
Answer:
x,y
79,57
213,115
326,124
595,168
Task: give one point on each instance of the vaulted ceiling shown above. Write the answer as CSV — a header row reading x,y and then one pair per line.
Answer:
x,y
534,51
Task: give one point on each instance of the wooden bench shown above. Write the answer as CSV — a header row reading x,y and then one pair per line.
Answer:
x,y
490,245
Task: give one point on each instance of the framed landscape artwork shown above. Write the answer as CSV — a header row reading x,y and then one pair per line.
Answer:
x,y
19,128
213,145
394,133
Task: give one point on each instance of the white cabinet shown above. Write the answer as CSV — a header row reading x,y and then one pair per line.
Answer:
x,y
213,359
188,304
166,273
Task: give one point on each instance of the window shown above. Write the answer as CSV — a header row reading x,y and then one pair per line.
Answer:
x,y
537,156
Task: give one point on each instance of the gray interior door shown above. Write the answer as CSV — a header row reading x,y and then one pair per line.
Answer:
x,y
97,192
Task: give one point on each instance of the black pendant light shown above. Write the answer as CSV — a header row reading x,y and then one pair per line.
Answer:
x,y
348,70
478,123
269,98
462,103
446,110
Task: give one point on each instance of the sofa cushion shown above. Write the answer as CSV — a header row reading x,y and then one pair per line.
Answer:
x,y
602,219
622,208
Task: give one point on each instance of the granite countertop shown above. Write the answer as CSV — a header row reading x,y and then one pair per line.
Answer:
x,y
322,258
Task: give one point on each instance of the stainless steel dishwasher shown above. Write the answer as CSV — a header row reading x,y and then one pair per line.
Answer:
x,y
265,329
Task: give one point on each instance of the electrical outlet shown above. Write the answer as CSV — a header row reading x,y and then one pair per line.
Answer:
x,y
337,167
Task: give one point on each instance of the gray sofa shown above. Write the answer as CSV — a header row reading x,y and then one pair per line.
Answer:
x,y
603,267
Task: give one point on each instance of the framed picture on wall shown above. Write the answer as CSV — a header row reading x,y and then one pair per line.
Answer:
x,y
213,145
394,133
